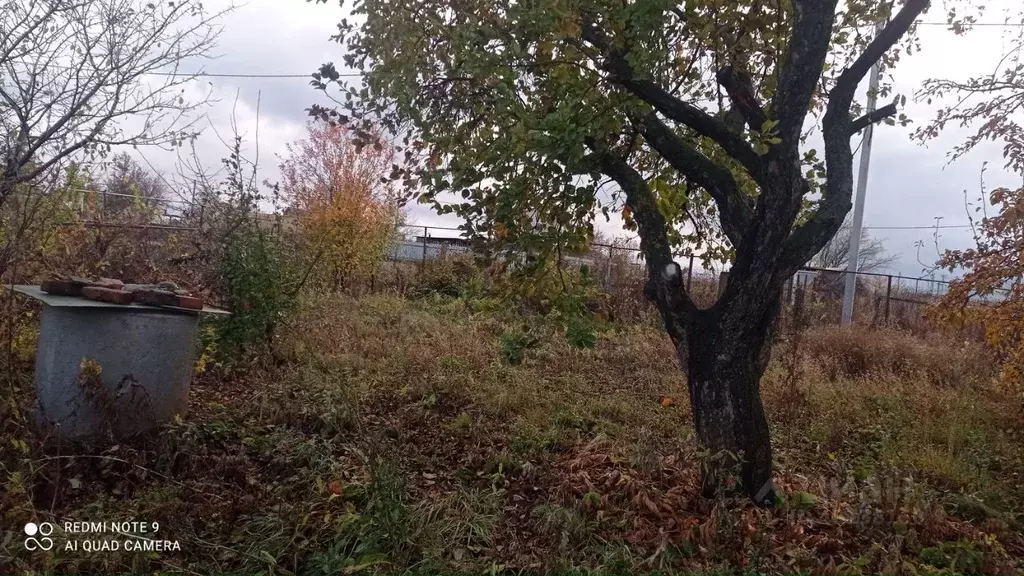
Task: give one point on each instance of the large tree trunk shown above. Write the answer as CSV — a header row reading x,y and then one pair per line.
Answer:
x,y
726,353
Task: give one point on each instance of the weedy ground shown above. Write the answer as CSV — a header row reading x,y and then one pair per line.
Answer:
x,y
390,435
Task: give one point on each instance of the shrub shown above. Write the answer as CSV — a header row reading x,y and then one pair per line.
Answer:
x,y
342,211
961,557
581,333
259,280
981,296
455,277
47,231
569,299
514,344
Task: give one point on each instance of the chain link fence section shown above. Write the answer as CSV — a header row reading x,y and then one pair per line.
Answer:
x,y
882,299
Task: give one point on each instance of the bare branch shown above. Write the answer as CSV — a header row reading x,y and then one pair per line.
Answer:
x,y
78,77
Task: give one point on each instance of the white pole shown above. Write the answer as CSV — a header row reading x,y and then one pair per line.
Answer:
x,y
852,263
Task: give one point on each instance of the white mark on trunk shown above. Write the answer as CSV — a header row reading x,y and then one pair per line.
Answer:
x,y
671,271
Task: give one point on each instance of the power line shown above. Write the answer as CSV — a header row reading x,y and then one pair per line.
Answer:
x,y
239,75
202,74
152,199
219,75
97,224
139,196
309,75
358,74
916,227
969,24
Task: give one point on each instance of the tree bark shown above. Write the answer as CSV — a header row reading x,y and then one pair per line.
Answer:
x,y
725,354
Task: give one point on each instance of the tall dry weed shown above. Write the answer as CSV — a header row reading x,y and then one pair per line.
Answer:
x,y
859,352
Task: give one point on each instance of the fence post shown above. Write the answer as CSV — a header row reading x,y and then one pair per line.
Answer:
x,y
789,292
423,263
888,296
608,270
723,280
689,274
798,301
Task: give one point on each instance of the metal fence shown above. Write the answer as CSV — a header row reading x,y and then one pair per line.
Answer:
x,y
422,243
881,298
104,209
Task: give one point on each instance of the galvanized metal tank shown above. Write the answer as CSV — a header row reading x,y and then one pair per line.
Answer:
x,y
111,368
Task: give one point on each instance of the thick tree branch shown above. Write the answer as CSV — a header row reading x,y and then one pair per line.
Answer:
x,y
622,73
654,243
801,70
734,211
841,96
889,35
695,118
738,86
808,239
875,116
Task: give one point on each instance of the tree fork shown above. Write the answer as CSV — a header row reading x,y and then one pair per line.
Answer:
x,y
724,356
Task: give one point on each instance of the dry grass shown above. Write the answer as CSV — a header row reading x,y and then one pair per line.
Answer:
x,y
390,435
859,352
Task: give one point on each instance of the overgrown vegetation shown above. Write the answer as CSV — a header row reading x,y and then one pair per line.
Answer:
x,y
343,213
260,283
393,435
992,273
512,414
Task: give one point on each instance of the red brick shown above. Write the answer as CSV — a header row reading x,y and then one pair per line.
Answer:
x,y
110,283
107,295
191,302
61,288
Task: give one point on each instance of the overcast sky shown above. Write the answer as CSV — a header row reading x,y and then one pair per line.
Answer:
x,y
909,185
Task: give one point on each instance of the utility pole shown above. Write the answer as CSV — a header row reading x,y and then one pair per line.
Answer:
x,y
852,264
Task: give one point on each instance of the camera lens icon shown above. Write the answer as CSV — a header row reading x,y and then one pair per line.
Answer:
x,y
43,529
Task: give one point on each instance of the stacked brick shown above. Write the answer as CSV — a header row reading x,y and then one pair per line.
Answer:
x,y
166,294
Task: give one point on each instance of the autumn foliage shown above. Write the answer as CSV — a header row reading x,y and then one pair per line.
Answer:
x,y
990,293
340,203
